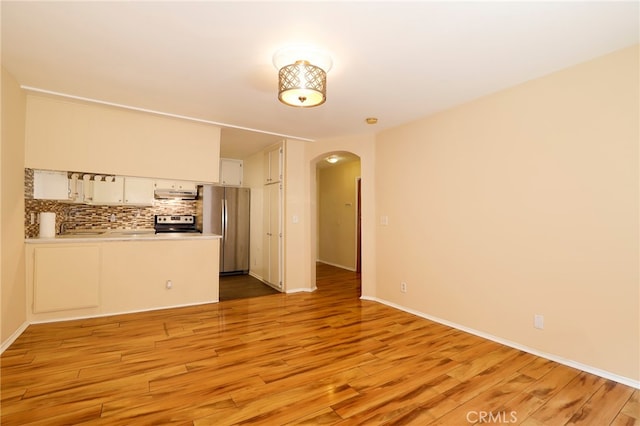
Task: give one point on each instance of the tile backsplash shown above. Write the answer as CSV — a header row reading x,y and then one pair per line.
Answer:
x,y
90,217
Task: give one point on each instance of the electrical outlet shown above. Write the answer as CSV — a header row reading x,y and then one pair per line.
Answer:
x,y
538,321
403,287
169,284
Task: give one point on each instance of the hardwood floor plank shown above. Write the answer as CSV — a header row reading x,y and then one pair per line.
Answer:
x,y
489,401
552,382
488,378
315,369
325,357
64,414
563,405
632,407
522,406
427,366
481,363
407,392
625,420
538,368
603,406
339,376
164,406
284,406
326,416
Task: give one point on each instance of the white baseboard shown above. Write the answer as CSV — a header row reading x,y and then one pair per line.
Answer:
x,y
135,311
348,268
570,363
24,326
13,337
301,290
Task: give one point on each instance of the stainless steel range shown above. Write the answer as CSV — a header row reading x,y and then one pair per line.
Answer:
x,y
175,223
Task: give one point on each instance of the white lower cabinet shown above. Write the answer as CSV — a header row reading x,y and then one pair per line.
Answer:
x,y
137,273
66,277
75,280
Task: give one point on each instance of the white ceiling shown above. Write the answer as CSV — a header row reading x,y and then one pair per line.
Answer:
x,y
397,61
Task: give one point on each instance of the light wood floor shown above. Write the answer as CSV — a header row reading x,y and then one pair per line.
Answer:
x,y
308,358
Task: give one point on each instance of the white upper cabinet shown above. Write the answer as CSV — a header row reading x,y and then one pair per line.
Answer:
x,y
273,165
231,172
106,190
186,185
174,184
50,185
138,191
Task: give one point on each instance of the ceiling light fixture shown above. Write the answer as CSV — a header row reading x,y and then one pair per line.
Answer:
x,y
371,120
302,76
332,159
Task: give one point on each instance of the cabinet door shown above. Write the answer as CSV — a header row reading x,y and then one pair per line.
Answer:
x,y
66,277
174,184
108,191
276,164
231,172
50,185
164,184
185,185
267,168
138,191
273,165
273,235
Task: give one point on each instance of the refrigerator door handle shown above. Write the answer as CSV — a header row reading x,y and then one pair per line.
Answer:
x,y
224,216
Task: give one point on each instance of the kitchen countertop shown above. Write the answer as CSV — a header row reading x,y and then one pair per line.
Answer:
x,y
121,235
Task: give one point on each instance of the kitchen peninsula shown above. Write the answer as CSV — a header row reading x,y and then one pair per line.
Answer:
x,y
118,265
77,276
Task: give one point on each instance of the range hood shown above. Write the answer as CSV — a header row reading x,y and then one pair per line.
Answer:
x,y
176,194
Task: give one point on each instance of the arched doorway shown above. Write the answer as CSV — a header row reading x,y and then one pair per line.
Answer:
x,y
337,210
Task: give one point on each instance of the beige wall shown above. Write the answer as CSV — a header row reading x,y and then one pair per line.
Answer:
x,y
13,290
337,215
296,233
520,203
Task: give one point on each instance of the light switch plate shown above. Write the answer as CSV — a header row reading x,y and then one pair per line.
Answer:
x,y
538,321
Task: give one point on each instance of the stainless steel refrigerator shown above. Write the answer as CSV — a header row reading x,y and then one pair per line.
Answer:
x,y
225,211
